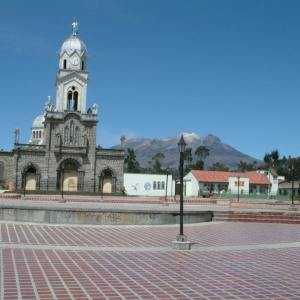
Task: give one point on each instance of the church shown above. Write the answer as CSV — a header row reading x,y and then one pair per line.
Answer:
x,y
61,153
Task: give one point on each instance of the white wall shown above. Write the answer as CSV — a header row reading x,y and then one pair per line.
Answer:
x,y
244,185
192,185
142,184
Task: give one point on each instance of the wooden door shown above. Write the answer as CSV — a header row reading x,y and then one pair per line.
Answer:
x,y
107,185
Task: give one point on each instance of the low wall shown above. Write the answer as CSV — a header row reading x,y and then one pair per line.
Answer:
x,y
116,217
268,204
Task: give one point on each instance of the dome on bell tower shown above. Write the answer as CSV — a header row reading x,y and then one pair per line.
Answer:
x,y
73,44
73,54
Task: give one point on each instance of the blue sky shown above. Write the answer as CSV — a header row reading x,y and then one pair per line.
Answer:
x,y
161,67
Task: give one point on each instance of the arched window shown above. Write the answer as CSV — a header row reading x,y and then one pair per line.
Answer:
x,y
65,63
66,135
1,170
58,139
75,100
82,65
154,185
40,134
76,135
33,134
72,97
158,185
71,131
162,185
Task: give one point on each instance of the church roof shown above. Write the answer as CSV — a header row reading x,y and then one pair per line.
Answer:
x,y
72,44
38,122
219,176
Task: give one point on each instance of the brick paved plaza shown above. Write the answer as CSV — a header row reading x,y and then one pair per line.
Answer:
x,y
228,261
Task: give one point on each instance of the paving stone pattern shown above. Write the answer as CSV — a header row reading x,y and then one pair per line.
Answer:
x,y
227,261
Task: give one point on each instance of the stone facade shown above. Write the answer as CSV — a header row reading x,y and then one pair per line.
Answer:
x,y
65,156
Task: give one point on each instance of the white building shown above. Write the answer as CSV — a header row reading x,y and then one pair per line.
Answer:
x,y
154,185
245,183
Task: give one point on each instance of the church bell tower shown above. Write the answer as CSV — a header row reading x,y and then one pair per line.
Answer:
x,y
72,77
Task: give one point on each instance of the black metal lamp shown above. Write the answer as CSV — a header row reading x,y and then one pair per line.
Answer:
x,y
181,243
24,182
62,199
238,188
293,207
166,202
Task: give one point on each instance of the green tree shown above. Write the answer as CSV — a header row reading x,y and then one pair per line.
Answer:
x,y
133,165
202,152
219,167
187,155
157,162
244,166
198,165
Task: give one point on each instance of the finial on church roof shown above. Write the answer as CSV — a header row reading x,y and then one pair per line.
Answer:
x,y
74,26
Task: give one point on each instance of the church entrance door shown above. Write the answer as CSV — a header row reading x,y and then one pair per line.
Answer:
x,y
107,182
70,178
107,185
71,181
30,182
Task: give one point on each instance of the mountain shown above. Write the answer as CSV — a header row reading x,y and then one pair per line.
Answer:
x,y
145,149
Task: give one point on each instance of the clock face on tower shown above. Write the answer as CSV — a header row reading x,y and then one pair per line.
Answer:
x,y
75,60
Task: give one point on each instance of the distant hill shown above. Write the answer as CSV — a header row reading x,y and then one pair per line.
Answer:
x,y
145,149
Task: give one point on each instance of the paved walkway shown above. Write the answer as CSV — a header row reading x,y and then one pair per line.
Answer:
x,y
227,261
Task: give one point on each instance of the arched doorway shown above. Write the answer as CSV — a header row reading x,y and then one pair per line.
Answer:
x,y
69,177
30,178
107,182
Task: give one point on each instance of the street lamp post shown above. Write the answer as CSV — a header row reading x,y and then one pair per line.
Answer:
x,y
166,202
102,179
293,207
299,190
238,188
24,196
62,199
181,243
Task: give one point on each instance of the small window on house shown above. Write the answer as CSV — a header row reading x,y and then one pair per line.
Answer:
x,y
158,185
33,134
40,134
82,65
58,139
65,63
162,185
154,185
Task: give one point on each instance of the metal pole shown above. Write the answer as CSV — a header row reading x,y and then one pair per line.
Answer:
x,y
238,188
166,203
62,184
293,186
24,178
24,184
181,193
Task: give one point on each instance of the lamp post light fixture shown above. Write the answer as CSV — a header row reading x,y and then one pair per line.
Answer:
x,y
181,242
293,207
238,188
62,199
166,202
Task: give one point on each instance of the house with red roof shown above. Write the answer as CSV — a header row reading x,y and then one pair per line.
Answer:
x,y
245,183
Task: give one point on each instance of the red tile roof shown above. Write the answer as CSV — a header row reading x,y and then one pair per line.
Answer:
x,y
218,176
